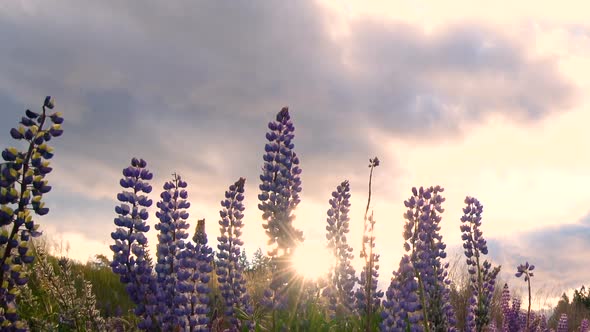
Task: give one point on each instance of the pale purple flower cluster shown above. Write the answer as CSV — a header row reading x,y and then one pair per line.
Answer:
x,y
481,275
232,283
130,259
197,260
280,185
342,277
585,325
511,313
427,250
175,293
562,324
22,186
171,243
402,309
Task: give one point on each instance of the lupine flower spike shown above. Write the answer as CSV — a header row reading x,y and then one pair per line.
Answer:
x,y
22,186
279,197
232,283
562,324
172,301
402,309
426,250
130,257
342,277
198,259
481,275
510,313
281,185
195,264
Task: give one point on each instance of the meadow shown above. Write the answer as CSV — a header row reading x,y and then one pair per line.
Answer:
x,y
189,285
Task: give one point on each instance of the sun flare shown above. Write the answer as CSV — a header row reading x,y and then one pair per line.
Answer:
x,y
312,261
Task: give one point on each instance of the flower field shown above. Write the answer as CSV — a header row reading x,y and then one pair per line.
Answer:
x,y
189,284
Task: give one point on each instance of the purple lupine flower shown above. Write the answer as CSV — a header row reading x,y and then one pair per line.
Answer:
x,y
196,262
130,258
510,313
482,278
171,242
585,325
22,186
279,197
367,297
232,283
562,324
526,271
402,310
427,250
342,277
280,185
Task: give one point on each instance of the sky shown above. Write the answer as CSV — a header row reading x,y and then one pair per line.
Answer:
x,y
487,100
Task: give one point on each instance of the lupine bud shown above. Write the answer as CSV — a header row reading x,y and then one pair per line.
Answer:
x,y
49,102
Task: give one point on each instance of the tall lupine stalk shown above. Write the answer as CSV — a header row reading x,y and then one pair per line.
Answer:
x,y
424,243
232,283
341,279
196,261
526,271
367,296
402,310
511,314
22,185
172,303
130,258
279,197
481,276
177,295
562,324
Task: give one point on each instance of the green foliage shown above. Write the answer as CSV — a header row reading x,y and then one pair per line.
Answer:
x,y
63,295
582,297
576,310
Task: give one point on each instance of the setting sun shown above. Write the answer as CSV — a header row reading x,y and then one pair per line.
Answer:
x,y
312,260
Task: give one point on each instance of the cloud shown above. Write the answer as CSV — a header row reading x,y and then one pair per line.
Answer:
x,y
418,84
206,62
558,252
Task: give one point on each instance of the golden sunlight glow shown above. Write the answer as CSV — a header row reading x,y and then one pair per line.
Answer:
x,y
312,260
